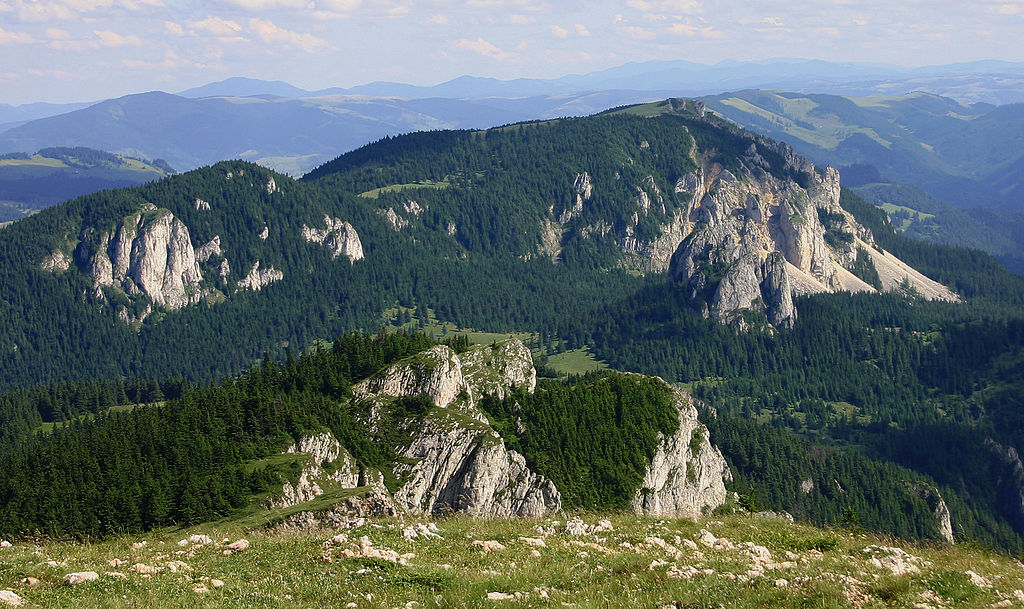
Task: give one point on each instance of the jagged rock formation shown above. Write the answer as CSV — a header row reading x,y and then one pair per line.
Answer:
x,y
56,262
457,462
322,449
759,239
396,222
149,253
338,237
436,373
686,477
209,249
258,278
584,190
943,518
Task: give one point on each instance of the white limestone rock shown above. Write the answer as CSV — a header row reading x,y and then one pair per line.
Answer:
x,y
686,477
339,237
258,278
148,253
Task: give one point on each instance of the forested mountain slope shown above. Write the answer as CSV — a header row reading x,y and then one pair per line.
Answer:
x,y
667,240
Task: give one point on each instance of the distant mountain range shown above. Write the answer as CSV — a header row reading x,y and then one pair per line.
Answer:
x,y
936,129
996,82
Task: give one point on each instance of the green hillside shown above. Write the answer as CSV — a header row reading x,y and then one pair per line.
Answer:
x,y
886,381
30,182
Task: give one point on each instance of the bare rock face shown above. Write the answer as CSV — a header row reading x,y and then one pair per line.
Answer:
x,y
468,469
686,477
56,262
938,506
338,237
322,448
258,278
456,462
758,239
149,253
584,190
209,249
436,373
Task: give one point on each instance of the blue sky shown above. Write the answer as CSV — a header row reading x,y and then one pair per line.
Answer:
x,y
80,50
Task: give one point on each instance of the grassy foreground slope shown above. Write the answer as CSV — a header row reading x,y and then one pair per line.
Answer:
x,y
627,562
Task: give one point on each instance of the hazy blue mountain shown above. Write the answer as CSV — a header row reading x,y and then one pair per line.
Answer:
x,y
997,82
244,87
292,135
29,112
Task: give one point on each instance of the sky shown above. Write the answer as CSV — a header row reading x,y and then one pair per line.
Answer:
x,y
86,50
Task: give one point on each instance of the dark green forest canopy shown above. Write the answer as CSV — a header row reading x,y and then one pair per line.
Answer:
x,y
863,371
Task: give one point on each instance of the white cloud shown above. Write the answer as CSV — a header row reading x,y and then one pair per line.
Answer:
x,y
485,48
14,37
691,31
71,10
582,31
273,34
109,39
559,32
638,33
339,6
216,26
54,33
674,7
268,5
439,20
517,19
174,29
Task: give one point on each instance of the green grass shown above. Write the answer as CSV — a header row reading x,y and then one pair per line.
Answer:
x,y
375,193
616,569
824,130
35,161
49,427
577,361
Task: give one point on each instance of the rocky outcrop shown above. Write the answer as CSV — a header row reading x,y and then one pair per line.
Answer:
x,y
943,518
258,278
209,249
436,373
56,262
323,449
148,253
338,237
468,469
758,239
686,477
584,189
455,461
396,222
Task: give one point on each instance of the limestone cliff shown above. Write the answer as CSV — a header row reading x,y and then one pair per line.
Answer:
x,y
759,239
687,475
147,253
259,278
323,450
943,517
338,237
455,461
451,460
